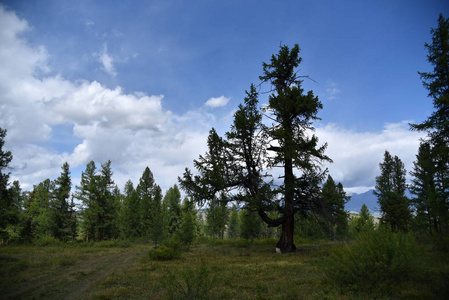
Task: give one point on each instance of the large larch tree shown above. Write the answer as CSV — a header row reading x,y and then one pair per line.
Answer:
x,y
243,163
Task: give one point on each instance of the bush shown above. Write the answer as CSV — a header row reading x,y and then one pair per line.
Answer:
x,y
193,284
164,253
376,260
46,240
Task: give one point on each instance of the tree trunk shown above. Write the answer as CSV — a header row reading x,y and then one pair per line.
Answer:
x,y
285,243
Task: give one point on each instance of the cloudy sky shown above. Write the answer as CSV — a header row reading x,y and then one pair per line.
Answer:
x,y
142,82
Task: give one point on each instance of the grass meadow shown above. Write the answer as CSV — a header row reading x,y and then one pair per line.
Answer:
x,y
214,269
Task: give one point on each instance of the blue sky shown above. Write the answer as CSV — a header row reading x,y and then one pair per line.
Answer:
x,y
142,82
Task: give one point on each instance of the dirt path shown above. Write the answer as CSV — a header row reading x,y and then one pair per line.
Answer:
x,y
77,281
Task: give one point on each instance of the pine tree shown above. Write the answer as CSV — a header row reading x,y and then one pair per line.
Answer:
x,y
362,223
187,228
238,161
145,190
63,217
157,229
250,225
99,205
217,216
172,206
5,199
390,192
234,225
437,124
129,212
431,212
334,200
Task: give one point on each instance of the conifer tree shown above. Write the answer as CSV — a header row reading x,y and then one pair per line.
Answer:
x,y
129,212
217,216
146,190
238,162
5,199
157,229
63,216
172,206
187,228
233,226
430,209
334,200
390,192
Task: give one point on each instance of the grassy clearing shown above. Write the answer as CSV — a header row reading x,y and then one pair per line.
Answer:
x,y
208,270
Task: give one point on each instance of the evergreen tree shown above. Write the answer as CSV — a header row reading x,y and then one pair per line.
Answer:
x,y
99,205
431,212
237,162
87,192
437,124
146,190
63,217
39,216
157,226
129,212
390,192
334,200
6,203
363,222
217,216
234,225
172,206
250,225
437,83
187,228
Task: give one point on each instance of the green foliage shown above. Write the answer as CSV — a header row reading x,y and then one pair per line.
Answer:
x,y
164,253
333,209
45,240
172,206
238,161
7,206
129,216
250,225
390,192
379,259
233,226
362,223
192,283
437,81
310,229
187,229
99,203
217,216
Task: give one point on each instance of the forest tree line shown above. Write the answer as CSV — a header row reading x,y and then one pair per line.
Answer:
x,y
235,171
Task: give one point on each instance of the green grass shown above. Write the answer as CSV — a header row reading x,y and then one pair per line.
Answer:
x,y
208,270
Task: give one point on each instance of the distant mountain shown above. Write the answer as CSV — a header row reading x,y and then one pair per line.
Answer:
x,y
368,198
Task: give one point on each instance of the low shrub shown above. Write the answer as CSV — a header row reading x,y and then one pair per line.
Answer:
x,y
164,253
46,240
377,259
194,283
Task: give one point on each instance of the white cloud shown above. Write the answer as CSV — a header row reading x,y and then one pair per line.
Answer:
x,y
357,155
332,90
217,102
106,60
132,130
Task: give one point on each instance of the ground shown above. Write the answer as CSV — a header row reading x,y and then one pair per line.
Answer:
x,y
208,270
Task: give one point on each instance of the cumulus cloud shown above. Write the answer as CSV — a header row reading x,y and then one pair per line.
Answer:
x,y
217,102
357,155
132,130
